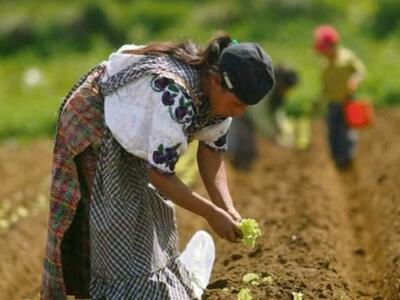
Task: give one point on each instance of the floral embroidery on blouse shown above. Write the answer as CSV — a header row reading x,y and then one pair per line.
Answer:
x,y
180,105
221,142
218,145
166,155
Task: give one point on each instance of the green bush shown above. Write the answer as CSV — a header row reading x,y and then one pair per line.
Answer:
x,y
387,18
15,36
64,39
72,32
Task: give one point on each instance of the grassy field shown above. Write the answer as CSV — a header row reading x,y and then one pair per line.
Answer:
x,y
60,41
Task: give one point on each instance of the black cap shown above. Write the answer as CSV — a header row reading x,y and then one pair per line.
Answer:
x,y
247,71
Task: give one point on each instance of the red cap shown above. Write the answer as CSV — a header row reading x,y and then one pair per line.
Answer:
x,y
324,37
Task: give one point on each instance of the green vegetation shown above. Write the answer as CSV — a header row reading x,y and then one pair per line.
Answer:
x,y
251,278
250,230
244,294
46,46
297,296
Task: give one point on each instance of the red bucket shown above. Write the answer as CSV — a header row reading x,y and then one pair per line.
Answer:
x,y
358,113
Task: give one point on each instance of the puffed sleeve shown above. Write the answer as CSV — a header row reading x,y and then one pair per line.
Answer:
x,y
173,113
215,136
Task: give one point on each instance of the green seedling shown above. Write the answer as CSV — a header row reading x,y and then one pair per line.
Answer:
x,y
251,278
297,296
268,279
244,294
250,230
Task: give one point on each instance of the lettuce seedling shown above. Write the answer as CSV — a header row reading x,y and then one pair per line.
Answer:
x,y
244,294
251,278
250,230
297,296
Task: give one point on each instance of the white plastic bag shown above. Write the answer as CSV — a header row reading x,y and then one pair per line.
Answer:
x,y
198,257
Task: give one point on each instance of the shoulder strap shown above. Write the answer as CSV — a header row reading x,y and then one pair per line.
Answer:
x,y
181,73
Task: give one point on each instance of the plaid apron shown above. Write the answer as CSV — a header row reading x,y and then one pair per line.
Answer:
x,y
133,234
79,134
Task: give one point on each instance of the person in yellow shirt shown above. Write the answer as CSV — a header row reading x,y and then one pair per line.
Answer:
x,y
341,75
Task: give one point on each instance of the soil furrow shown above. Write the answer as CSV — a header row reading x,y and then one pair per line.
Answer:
x,y
326,234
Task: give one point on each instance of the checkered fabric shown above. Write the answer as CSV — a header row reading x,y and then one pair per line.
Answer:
x,y
150,65
133,237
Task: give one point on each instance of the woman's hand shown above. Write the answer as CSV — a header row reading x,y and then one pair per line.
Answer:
x,y
352,85
224,225
234,214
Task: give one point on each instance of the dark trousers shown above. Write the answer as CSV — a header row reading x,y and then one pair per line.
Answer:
x,y
341,138
242,143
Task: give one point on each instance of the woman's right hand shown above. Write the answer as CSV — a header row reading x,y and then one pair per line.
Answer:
x,y
224,225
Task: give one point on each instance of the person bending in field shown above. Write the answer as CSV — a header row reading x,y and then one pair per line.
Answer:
x,y
112,232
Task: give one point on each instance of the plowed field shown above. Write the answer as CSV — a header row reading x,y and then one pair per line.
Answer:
x,y
326,234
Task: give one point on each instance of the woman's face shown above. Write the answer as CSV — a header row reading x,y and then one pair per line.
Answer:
x,y
223,102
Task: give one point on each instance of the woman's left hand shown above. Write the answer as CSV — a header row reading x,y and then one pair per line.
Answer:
x,y
352,85
234,214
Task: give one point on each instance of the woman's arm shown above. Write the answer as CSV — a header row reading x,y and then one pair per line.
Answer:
x,y
173,188
213,174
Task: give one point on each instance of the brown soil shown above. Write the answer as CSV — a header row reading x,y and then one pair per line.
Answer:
x,y
327,234
25,176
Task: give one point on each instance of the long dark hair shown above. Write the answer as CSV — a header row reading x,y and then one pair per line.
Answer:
x,y
206,59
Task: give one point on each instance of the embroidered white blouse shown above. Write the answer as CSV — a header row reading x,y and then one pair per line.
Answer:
x,y
149,116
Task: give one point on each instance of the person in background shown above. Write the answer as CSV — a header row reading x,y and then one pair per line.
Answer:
x,y
341,75
121,129
285,79
242,144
